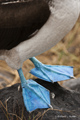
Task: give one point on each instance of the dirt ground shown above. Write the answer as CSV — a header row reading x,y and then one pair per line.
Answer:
x,y
66,52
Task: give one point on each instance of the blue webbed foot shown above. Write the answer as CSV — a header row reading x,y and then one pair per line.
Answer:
x,y
34,95
51,73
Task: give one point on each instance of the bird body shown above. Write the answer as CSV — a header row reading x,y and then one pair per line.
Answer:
x,y
62,16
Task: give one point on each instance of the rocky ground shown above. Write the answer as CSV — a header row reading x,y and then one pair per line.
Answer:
x,y
66,103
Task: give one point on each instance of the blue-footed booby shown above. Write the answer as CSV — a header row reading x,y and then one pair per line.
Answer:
x,y
29,28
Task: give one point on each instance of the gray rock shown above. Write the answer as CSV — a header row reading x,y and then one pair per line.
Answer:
x,y
73,84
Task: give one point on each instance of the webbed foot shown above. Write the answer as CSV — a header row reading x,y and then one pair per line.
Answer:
x,y
34,95
51,73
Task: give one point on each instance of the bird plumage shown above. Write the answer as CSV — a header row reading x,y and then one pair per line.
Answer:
x,y
21,19
53,19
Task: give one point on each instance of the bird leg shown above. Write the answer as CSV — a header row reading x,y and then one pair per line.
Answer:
x,y
34,95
